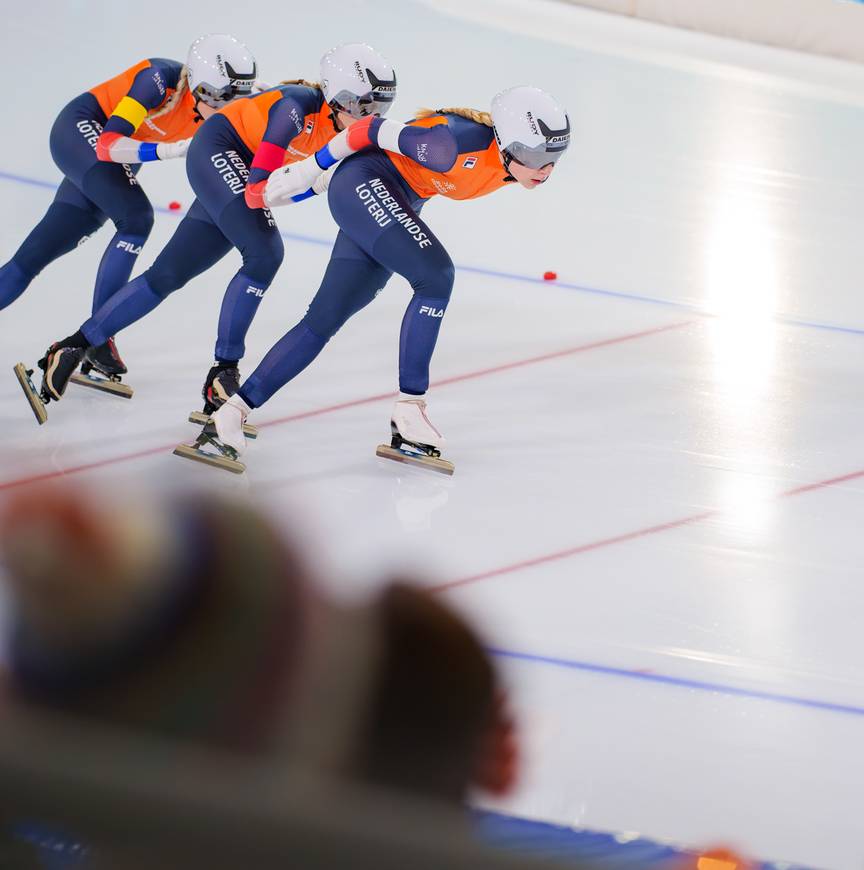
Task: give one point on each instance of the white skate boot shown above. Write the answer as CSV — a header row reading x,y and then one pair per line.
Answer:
x,y
223,438
229,420
413,437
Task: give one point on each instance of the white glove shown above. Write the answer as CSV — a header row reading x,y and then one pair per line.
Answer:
x,y
290,181
322,182
172,150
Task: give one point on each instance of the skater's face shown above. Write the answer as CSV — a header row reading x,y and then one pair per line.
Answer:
x,y
530,178
343,120
204,110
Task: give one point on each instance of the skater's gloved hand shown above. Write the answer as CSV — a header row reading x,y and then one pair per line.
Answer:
x,y
254,194
172,150
322,182
290,181
259,85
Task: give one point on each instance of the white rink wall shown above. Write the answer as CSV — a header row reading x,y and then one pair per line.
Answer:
x,y
828,27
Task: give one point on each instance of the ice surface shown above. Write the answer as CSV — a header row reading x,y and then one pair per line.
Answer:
x,y
677,617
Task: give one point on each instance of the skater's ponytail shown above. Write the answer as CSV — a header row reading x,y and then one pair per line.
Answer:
x,y
174,99
471,114
303,82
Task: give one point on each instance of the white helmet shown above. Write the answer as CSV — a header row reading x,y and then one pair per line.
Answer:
x,y
531,127
220,68
357,80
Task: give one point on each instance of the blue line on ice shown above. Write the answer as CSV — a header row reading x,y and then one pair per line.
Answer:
x,y
681,682
509,276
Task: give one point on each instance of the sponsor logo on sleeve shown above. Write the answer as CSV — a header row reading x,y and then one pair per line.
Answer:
x,y
470,163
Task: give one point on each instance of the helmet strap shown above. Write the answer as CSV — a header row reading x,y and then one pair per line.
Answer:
x,y
506,159
335,108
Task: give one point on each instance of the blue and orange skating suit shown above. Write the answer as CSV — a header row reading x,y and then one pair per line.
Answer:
x,y
281,125
477,171
131,97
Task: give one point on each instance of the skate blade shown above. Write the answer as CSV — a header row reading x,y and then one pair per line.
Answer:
x,y
124,391
33,397
202,419
440,465
193,452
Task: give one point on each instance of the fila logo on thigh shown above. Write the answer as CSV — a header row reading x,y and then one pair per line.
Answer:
x,y
431,312
256,291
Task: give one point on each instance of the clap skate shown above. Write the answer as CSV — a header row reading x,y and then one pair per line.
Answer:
x,y
33,396
106,362
222,439
202,418
414,440
57,366
222,381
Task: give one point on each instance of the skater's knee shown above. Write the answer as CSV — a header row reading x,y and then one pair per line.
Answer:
x,y
437,282
137,221
164,279
322,323
262,260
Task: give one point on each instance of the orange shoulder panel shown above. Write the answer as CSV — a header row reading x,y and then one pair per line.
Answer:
x,y
180,123
109,93
248,116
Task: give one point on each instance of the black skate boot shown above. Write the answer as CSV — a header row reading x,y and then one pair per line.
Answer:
x,y
58,365
105,359
101,370
223,380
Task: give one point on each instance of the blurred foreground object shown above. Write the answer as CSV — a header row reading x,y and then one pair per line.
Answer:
x,y
194,621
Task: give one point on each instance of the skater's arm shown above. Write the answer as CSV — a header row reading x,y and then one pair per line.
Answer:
x,y
147,92
432,147
285,121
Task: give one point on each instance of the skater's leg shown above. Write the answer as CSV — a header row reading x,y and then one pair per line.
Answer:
x,y
115,190
70,220
253,232
111,187
431,274
351,282
407,247
72,216
217,165
197,244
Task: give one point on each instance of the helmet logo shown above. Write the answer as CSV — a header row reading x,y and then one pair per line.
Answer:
x,y
556,140
531,123
358,69
240,80
384,90
220,65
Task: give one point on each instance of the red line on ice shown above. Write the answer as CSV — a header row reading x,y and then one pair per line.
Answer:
x,y
329,409
630,536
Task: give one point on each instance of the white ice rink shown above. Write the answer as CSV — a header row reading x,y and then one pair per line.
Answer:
x,y
659,484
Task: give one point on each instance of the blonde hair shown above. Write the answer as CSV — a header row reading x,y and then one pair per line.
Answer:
x,y
470,114
301,82
174,99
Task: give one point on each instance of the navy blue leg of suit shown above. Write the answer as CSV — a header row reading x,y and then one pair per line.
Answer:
x,y
218,220
197,244
218,166
91,192
366,197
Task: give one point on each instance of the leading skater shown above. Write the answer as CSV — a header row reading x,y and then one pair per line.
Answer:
x,y
99,141
375,199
